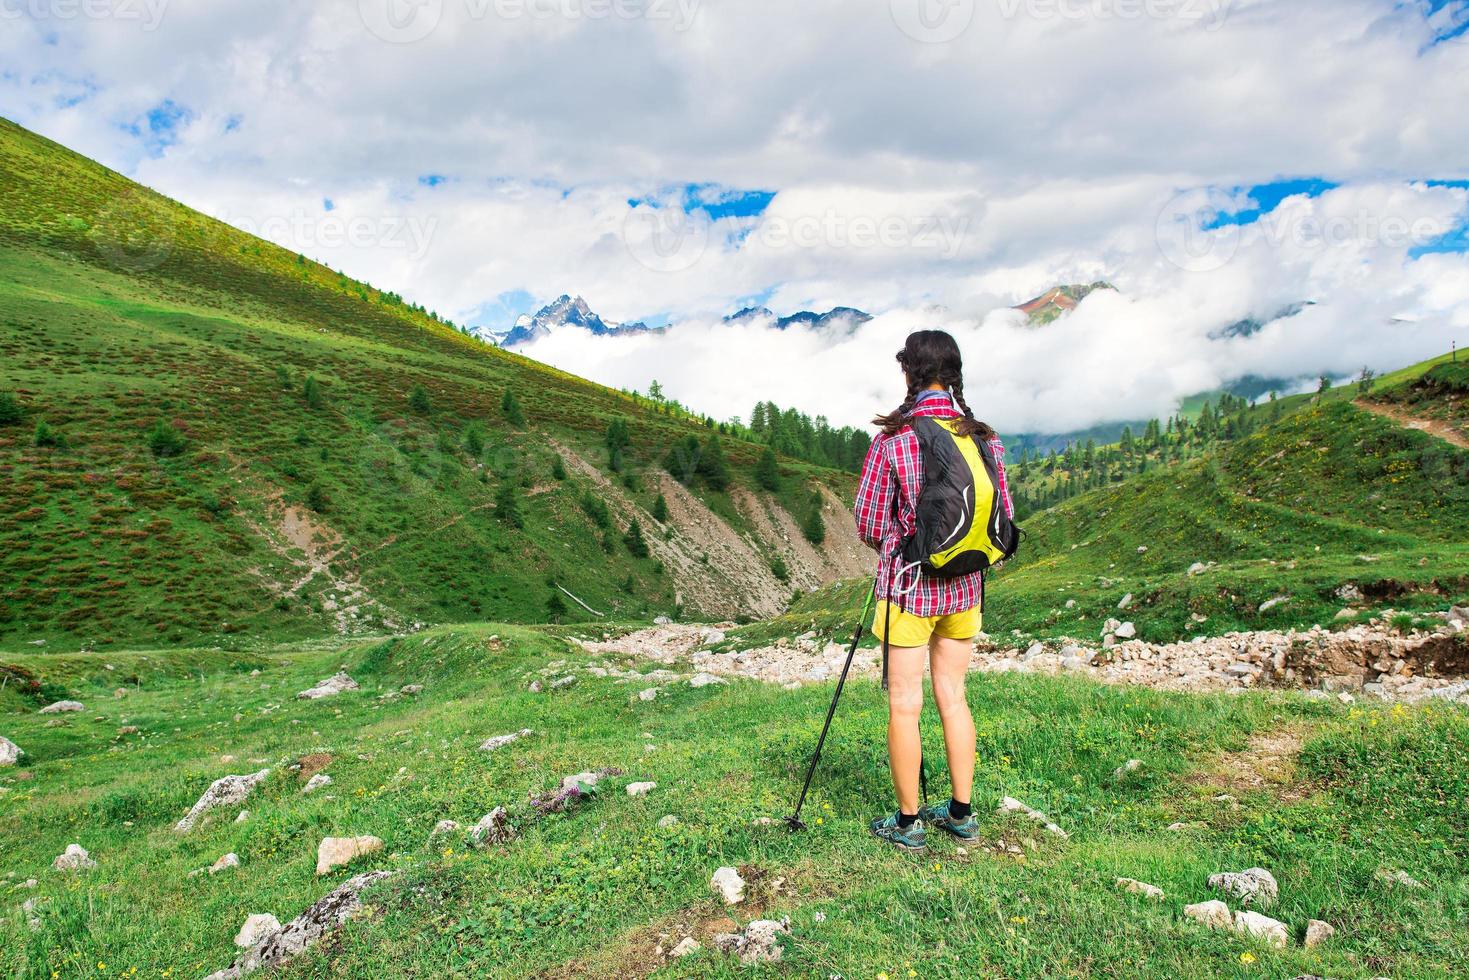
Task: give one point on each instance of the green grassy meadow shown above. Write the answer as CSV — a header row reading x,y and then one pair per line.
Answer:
x,y
586,892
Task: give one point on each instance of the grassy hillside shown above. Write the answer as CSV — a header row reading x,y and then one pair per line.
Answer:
x,y
204,438
1327,496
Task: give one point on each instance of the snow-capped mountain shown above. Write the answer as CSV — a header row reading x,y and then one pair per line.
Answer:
x,y
842,316
565,312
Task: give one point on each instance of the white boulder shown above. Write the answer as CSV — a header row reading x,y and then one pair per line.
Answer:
x,y
333,685
10,753
256,928
500,741
226,791
74,858
730,886
337,851
1262,927
63,707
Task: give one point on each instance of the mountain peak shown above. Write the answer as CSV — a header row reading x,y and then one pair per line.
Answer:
x,y
564,311
1059,300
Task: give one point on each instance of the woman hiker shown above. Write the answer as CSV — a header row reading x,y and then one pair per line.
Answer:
x,y
918,613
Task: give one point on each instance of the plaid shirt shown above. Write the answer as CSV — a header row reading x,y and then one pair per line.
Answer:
x,y
892,478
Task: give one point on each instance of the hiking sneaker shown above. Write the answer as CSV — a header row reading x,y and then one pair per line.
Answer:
x,y
912,838
938,816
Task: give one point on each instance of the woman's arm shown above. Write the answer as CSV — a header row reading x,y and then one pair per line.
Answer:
x,y
874,506
998,449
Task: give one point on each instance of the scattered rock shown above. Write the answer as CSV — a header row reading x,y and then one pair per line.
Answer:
x,y
1350,593
493,828
661,621
1317,932
226,791
1140,888
244,815
411,689
535,687
730,886
10,753
500,741
713,636
333,685
230,860
1126,631
315,783
63,707
1214,914
584,780
1262,927
256,928
1199,568
1070,603
1400,878
1182,826
702,679
757,943
685,947
128,730
1128,768
561,683
337,851
667,821
304,931
1125,601
640,789
647,694
74,858
1253,887
1011,805
443,829
1270,604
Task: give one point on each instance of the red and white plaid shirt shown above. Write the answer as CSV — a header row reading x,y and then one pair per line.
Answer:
x,y
892,478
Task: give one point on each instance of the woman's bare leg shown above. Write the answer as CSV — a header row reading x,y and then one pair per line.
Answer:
x,y
905,702
950,663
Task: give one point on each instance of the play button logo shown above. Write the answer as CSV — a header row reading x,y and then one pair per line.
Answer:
x,y
401,21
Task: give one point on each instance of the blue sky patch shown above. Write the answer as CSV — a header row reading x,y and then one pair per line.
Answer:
x,y
328,204
715,200
1267,198
159,127
1449,19
432,180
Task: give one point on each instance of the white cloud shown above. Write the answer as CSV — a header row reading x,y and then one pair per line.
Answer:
x,y
1039,145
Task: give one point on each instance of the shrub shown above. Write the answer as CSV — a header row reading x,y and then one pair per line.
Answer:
x,y
165,441
418,400
618,439
596,509
45,435
316,498
660,510
556,607
10,410
712,466
282,376
779,570
558,468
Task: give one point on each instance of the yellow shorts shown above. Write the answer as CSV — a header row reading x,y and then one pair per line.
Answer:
x,y
909,630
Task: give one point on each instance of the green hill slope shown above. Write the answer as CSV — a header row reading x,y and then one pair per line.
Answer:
x,y
1328,496
205,437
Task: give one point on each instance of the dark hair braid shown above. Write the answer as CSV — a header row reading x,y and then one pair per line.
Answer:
x,y
932,357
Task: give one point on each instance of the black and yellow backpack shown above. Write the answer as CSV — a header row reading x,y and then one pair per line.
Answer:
x,y
960,521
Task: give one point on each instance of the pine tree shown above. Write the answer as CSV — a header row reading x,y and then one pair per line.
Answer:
x,y
510,408
474,439
660,510
712,466
556,607
312,392
814,526
507,505
10,410
558,467
767,472
636,546
418,400
45,436
619,438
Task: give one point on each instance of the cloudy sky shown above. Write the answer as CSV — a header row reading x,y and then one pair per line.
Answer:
x,y
930,161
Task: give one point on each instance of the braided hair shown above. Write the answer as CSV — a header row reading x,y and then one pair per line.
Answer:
x,y
931,357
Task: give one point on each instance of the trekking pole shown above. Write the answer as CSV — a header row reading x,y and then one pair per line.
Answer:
x,y
794,820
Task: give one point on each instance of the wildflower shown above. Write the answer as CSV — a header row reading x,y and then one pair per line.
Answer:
x,y
1247,958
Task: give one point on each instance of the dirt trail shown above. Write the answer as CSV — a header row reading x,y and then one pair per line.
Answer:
x,y
1365,660
1402,416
